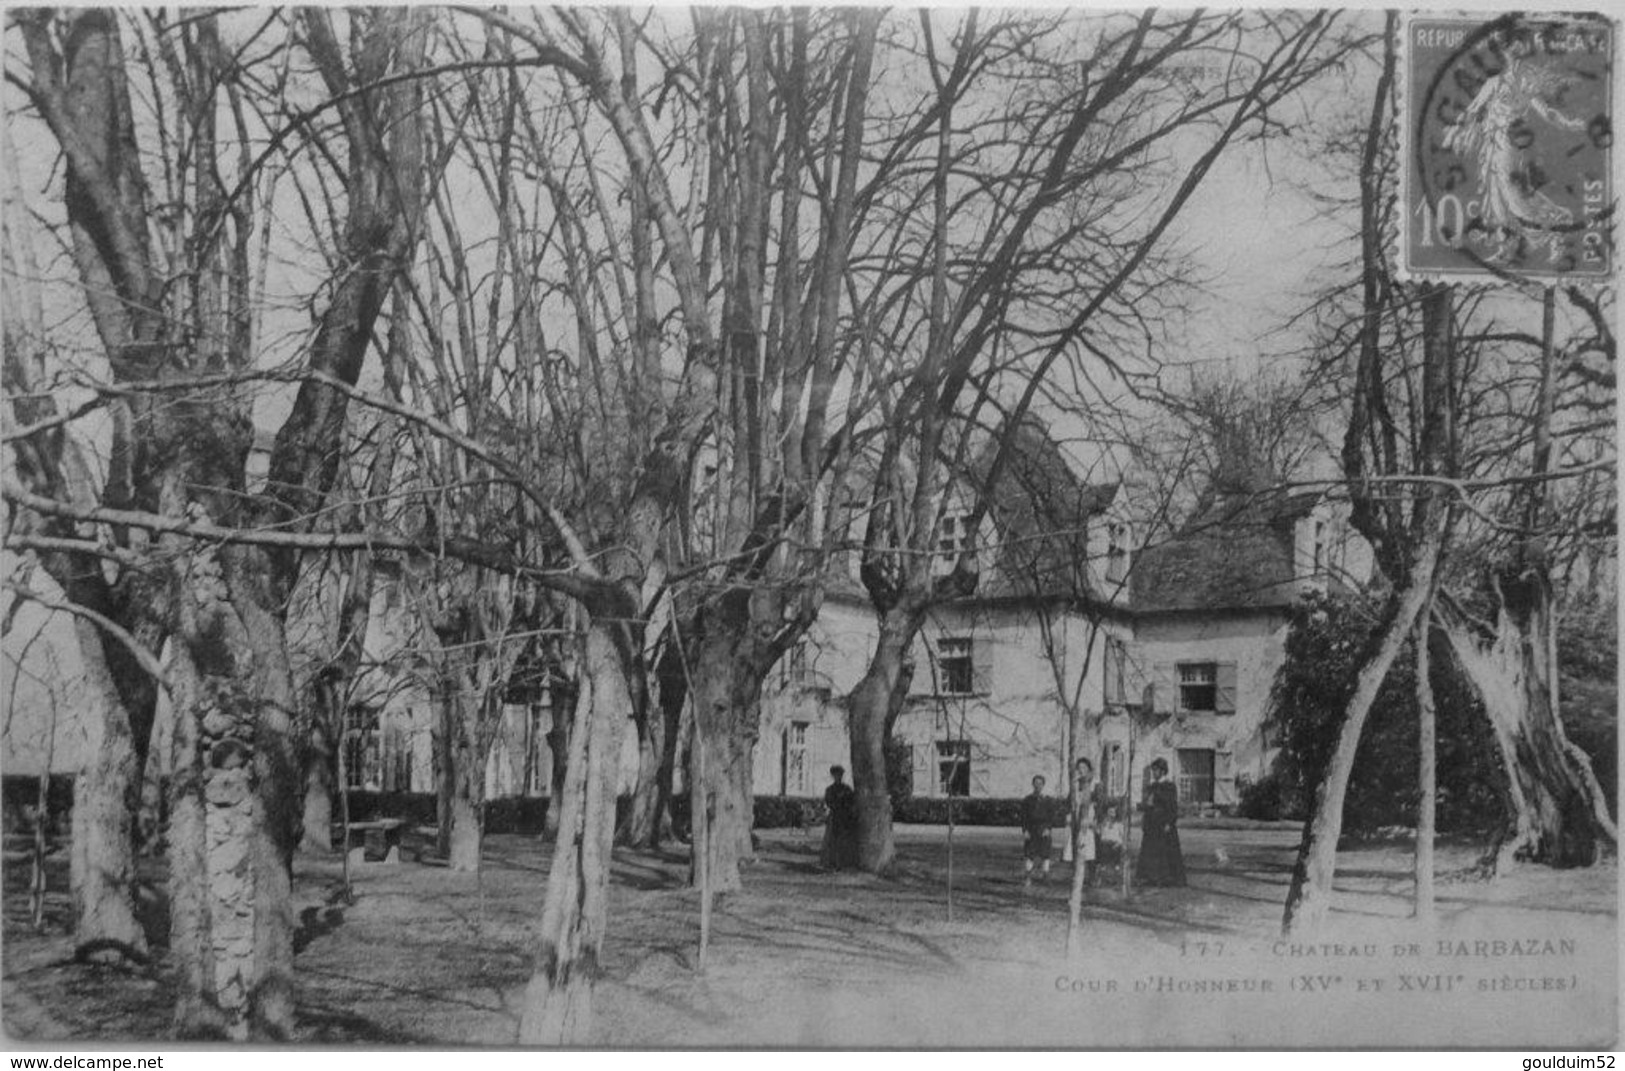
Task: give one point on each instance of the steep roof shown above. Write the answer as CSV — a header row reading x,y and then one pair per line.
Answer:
x,y
1041,509
1236,552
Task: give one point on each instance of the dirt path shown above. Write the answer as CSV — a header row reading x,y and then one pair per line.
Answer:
x,y
801,957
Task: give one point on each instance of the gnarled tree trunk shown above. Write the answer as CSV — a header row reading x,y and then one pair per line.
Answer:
x,y
101,863
640,825
558,749
726,693
874,706
467,793
316,822
1558,813
233,796
557,1008
673,711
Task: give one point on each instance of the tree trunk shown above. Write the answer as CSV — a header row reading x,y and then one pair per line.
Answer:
x,y
563,701
1075,750
464,854
233,821
1559,814
101,863
557,1008
275,829
727,692
1309,898
468,790
558,746
673,703
1427,773
639,829
191,944
875,704
445,752
317,821
725,792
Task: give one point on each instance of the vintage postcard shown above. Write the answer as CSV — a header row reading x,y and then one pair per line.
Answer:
x,y
809,527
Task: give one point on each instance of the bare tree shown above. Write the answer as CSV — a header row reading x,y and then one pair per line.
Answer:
x,y
1428,469
1536,443
181,454
993,274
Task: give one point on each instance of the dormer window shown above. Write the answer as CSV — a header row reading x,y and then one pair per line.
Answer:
x,y
1116,552
953,538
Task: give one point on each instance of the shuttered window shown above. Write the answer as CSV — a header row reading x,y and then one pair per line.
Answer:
x,y
1198,686
362,759
797,775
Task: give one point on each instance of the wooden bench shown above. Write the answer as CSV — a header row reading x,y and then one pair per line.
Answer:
x,y
384,831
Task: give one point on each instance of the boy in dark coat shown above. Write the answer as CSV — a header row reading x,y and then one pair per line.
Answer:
x,y
1036,818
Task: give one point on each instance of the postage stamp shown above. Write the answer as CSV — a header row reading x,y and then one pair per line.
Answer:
x,y
1506,156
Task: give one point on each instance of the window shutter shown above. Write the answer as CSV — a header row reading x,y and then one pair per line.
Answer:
x,y
920,763
1226,701
981,658
1112,671
1165,688
926,673
1224,777
1133,677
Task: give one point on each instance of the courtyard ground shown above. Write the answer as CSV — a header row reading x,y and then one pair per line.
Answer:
x,y
802,957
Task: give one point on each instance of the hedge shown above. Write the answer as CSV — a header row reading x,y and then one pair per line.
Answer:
x,y
968,811
788,812
528,814
783,812
416,808
510,814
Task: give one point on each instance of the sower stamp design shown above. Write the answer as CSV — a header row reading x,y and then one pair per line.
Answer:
x,y
1507,163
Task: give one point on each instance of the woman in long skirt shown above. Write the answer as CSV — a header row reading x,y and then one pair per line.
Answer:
x,y
1160,860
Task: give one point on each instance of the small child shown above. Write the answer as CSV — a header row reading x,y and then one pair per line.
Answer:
x,y
1111,836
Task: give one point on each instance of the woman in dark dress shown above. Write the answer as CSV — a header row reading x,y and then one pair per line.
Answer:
x,y
1160,860
841,828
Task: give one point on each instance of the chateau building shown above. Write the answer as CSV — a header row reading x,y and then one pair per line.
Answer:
x,y
1168,651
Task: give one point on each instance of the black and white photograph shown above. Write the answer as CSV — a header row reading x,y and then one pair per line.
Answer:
x,y
831,527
